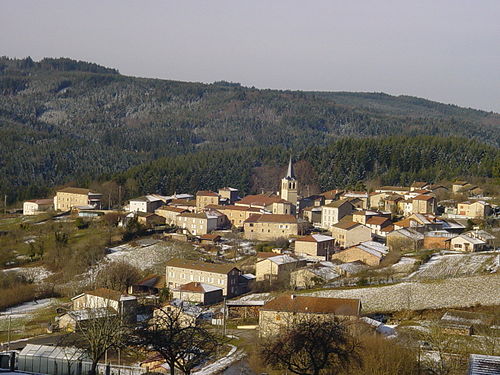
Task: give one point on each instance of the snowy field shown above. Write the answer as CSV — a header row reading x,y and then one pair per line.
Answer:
x,y
457,265
32,274
146,254
449,293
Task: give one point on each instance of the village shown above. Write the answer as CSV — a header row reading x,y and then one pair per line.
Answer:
x,y
400,260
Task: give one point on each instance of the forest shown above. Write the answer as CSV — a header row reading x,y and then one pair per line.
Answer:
x,y
65,121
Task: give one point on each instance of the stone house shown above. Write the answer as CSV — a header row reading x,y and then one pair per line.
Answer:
x,y
467,244
424,204
313,215
277,268
310,277
377,225
71,197
332,195
360,199
77,319
228,195
483,236
369,252
235,214
197,223
123,304
262,201
146,203
437,239
289,309
316,245
405,239
225,276
170,213
268,227
149,219
206,197
333,212
196,292
474,210
37,206
348,233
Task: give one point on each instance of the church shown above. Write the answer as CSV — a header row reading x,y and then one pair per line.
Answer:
x,y
290,186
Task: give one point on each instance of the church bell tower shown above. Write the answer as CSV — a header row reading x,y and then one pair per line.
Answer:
x,y
289,185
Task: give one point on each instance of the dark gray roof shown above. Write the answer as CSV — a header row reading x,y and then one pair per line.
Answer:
x,y
484,365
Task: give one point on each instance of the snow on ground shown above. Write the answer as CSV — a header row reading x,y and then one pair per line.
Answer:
x,y
448,293
32,274
405,264
26,308
223,363
457,265
144,255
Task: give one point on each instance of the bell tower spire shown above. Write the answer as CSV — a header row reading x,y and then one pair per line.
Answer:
x,y
290,185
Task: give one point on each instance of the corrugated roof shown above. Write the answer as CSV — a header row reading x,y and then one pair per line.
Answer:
x,y
314,305
196,287
484,365
314,238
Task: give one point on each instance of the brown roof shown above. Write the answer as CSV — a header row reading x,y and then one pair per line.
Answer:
x,y
405,223
172,209
314,305
194,214
271,218
183,202
393,188
422,197
106,293
346,225
331,194
378,220
260,200
207,193
388,228
74,190
201,266
152,281
338,203
193,286
232,208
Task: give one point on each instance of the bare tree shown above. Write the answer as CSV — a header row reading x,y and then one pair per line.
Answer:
x,y
118,276
177,338
102,330
311,346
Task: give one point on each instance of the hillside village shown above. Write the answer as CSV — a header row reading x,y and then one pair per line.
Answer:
x,y
246,262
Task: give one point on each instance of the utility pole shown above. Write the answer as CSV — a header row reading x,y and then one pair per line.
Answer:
x,y
8,333
109,201
5,204
119,196
224,318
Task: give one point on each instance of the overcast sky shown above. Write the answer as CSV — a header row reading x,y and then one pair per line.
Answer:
x,y
443,50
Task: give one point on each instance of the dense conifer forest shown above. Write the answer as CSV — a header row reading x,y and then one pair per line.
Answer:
x,y
65,121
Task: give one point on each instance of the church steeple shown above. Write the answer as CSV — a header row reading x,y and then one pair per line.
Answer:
x,y
290,175
289,185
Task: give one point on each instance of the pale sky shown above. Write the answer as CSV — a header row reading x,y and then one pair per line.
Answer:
x,y
443,50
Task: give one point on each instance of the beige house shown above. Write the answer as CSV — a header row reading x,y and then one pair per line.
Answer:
x,y
170,213
197,292
483,236
457,186
474,210
424,204
376,200
369,252
334,211
283,207
185,204
467,244
310,277
225,276
228,195
378,225
106,298
71,197
313,215
262,201
75,320
418,185
197,223
405,239
277,268
268,227
316,245
146,203
185,317
289,309
348,233
360,197
149,219
37,206
332,195
206,197
235,214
